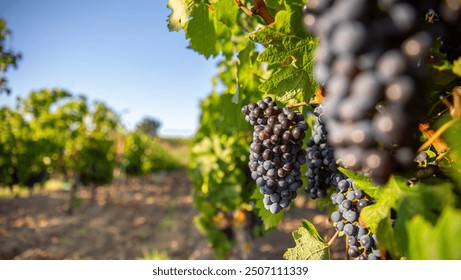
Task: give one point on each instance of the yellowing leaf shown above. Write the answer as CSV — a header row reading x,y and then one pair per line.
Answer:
x,y
309,245
179,15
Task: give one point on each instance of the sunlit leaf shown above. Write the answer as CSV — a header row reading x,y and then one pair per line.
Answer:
x,y
373,214
309,244
290,53
201,30
457,67
435,242
180,12
226,12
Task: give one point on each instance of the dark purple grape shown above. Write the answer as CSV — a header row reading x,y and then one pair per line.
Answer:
x,y
275,154
353,251
336,216
366,241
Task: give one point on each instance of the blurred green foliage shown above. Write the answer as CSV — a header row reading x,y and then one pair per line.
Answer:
x,y
144,154
52,131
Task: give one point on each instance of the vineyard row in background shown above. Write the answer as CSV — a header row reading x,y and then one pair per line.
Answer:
x,y
52,133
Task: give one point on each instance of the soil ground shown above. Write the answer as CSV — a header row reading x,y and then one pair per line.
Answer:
x,y
132,219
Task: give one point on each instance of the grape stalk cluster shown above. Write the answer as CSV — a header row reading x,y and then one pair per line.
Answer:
x,y
322,172
371,60
276,153
320,160
350,201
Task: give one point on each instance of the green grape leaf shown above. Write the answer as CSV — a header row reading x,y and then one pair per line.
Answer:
x,y
248,70
385,234
289,51
287,83
424,199
270,220
435,242
226,12
295,9
201,30
264,36
442,65
272,4
372,215
309,244
427,199
457,67
180,13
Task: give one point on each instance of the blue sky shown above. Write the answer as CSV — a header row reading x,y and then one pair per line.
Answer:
x,y
116,51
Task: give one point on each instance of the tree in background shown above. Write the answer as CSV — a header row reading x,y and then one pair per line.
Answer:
x,y
149,126
8,57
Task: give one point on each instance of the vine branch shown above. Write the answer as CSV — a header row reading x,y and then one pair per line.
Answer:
x,y
437,134
333,238
295,105
455,108
259,9
438,143
434,136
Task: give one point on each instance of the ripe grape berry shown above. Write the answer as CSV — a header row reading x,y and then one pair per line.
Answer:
x,y
276,153
371,61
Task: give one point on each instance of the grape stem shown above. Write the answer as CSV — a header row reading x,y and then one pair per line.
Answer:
x,y
437,134
455,108
455,112
333,238
295,105
259,9
438,143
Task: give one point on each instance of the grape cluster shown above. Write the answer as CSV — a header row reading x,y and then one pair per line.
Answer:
x,y
322,173
321,166
276,153
371,61
350,201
